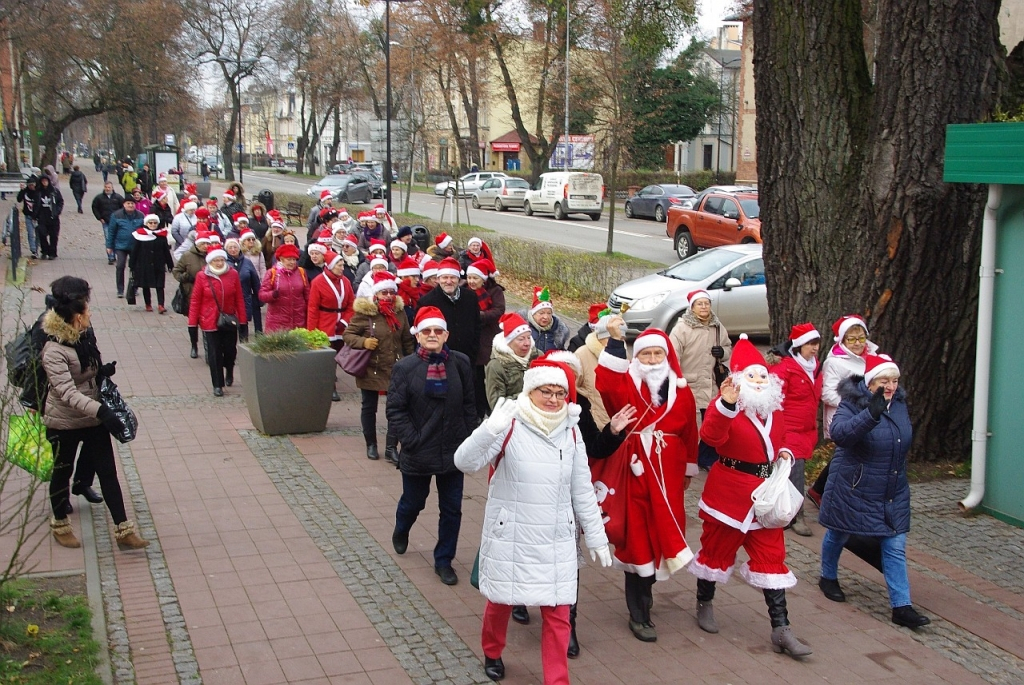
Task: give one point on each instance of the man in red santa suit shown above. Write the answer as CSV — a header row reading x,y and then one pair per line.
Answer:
x,y
745,424
651,469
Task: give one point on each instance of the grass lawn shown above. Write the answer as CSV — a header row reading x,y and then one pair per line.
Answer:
x,y
45,633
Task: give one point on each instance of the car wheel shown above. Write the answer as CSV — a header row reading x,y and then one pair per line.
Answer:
x,y
595,217
747,241
559,214
659,214
476,202
498,207
527,209
450,194
684,244
629,210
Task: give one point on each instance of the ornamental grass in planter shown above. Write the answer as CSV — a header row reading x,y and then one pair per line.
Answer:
x,y
287,379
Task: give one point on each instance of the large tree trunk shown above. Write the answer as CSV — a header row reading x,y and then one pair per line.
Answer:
x,y
855,216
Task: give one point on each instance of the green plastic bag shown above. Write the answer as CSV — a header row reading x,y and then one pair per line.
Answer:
x,y
474,576
27,446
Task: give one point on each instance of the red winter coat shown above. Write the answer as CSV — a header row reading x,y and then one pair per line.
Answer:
x,y
646,520
286,294
210,291
330,304
800,406
726,495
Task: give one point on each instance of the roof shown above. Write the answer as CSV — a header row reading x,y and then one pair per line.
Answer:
x,y
984,153
513,137
727,58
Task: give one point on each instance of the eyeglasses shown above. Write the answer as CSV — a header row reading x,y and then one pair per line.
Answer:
x,y
861,339
434,332
552,394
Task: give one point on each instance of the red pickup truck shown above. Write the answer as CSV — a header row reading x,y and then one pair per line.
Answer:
x,y
716,219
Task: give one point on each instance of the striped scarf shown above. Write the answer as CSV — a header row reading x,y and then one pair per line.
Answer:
x,y
437,375
483,298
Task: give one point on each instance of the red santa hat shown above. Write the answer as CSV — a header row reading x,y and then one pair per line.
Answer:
x,y
566,357
202,235
189,207
343,213
158,194
541,300
202,213
316,247
325,237
408,267
428,317
350,239
161,177
874,365
150,217
744,354
247,233
364,217
214,238
229,196
695,295
214,254
328,214
803,333
239,217
443,240
428,269
449,266
384,280
332,258
276,223
844,323
377,244
230,241
484,268
652,337
544,371
379,261
325,195
596,311
285,251
378,209
400,245
512,326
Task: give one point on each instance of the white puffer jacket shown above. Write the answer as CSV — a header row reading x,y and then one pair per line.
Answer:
x,y
528,542
838,365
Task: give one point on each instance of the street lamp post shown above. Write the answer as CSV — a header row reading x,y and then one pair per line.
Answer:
x,y
387,78
243,68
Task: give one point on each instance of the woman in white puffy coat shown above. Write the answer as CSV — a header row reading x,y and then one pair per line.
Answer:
x,y
540,484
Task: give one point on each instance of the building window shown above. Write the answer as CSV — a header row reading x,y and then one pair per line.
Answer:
x,y
707,156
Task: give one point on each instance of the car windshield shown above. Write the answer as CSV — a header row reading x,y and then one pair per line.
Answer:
x,y
517,183
333,181
701,266
751,208
685,191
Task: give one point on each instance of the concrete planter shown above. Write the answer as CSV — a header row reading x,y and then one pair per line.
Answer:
x,y
291,395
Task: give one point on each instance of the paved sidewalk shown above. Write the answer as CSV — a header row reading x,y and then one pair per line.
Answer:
x,y
271,559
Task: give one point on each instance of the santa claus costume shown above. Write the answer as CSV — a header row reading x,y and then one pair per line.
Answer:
x,y
643,482
745,424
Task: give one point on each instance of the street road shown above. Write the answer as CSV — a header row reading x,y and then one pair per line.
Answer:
x,y
636,237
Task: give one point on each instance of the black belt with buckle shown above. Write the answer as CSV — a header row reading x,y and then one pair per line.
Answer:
x,y
762,470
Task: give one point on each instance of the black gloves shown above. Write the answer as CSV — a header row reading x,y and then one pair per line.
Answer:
x,y
877,404
109,419
108,370
717,352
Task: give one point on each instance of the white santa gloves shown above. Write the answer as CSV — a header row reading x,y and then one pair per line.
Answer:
x,y
636,466
602,554
501,416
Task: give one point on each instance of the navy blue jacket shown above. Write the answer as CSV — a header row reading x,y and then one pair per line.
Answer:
x,y
867,491
250,281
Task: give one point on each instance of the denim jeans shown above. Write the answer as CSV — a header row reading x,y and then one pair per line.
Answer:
x,y
30,230
894,563
449,500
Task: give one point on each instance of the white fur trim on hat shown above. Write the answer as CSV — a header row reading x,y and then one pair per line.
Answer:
x,y
537,376
213,254
474,239
472,270
429,269
696,295
806,338
378,260
516,332
408,272
400,245
448,271
189,207
445,242
430,323
541,305
316,247
205,239
236,241
150,217
645,341
389,284
886,367
349,240
247,233
568,358
277,223
333,262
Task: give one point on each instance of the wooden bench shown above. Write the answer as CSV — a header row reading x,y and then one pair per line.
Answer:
x,y
294,209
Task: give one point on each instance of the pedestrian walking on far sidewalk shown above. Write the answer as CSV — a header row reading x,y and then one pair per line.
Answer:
x,y
103,206
123,223
431,410
78,185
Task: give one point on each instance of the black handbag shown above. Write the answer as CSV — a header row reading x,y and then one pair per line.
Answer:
x,y
111,397
179,304
226,323
129,295
719,371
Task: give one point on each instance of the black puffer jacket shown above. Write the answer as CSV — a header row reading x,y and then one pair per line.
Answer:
x,y
430,429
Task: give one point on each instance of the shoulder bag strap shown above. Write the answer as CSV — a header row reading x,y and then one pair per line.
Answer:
x,y
213,293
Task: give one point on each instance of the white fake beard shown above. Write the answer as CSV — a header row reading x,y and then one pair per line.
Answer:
x,y
653,375
762,403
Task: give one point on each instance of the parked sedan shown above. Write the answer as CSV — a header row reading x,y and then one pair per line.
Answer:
x,y
468,184
732,275
692,202
501,193
343,187
653,201
375,181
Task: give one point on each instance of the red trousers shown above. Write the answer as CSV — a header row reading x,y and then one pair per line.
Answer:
x,y
554,638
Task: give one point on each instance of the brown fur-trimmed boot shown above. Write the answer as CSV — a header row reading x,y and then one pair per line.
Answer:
x,y
63,533
127,538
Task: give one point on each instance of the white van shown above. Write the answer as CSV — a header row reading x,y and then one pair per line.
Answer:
x,y
566,192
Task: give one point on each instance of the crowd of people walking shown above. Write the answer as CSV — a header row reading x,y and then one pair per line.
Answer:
x,y
591,434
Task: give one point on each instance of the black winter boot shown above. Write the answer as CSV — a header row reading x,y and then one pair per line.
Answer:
x,y
574,644
391,449
229,376
783,639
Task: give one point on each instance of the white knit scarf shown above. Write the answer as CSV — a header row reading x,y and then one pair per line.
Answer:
x,y
545,421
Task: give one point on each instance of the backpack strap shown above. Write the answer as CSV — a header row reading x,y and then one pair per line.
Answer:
x,y
501,454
